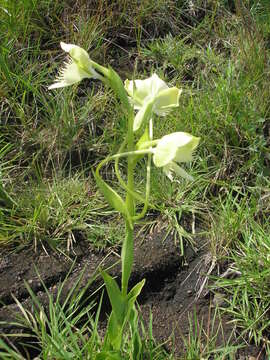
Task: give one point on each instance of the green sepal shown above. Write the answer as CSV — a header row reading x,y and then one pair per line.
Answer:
x,y
117,85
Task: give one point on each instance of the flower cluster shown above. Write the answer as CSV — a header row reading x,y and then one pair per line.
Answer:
x,y
148,97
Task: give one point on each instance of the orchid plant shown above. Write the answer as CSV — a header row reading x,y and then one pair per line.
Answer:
x,y
148,98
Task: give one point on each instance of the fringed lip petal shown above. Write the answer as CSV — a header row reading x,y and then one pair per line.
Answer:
x,y
76,69
69,75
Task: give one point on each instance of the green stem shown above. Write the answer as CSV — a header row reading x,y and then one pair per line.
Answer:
x,y
148,174
116,157
127,254
131,154
147,192
125,154
121,181
127,257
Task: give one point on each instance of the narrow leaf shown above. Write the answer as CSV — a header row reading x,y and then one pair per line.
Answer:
x,y
118,86
136,339
135,291
111,196
118,302
8,200
113,337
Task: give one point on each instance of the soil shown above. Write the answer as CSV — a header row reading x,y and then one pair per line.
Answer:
x,y
171,291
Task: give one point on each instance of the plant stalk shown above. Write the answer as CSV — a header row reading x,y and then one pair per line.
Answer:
x,y
127,254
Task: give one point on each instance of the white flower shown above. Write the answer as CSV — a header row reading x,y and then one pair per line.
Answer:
x,y
77,68
172,149
151,95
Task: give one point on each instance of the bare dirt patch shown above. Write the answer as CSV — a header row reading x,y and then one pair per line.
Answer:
x,y
171,289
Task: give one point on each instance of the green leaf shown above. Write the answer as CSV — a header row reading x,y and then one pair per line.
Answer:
x,y
135,291
140,144
113,337
109,355
143,139
111,196
127,257
132,296
6,70
117,85
136,339
118,302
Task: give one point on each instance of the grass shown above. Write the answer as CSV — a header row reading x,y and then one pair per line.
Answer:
x,y
68,329
248,292
218,52
203,341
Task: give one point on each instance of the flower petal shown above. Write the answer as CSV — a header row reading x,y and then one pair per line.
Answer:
x,y
167,99
139,91
184,153
173,167
143,115
69,75
142,91
157,84
79,67
177,146
78,54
